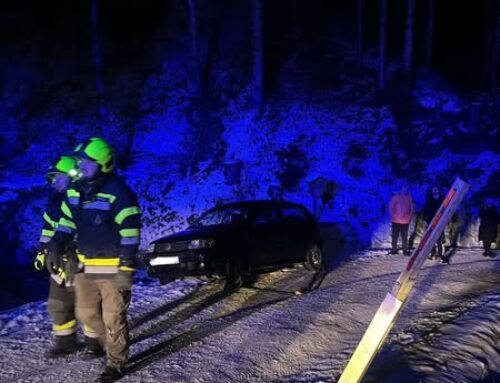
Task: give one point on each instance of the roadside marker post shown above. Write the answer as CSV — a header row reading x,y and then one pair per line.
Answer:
x,y
391,306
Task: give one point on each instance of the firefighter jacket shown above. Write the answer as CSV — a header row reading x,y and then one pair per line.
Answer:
x,y
104,214
51,218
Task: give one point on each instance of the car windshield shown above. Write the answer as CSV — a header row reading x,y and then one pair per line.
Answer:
x,y
222,216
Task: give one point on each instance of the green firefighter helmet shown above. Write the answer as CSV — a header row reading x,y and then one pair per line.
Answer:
x,y
64,165
99,151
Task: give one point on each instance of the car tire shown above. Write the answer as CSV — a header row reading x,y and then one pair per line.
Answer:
x,y
314,258
234,275
165,280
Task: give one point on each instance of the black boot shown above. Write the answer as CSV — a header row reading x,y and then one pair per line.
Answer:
x,y
490,254
445,259
233,285
64,345
93,348
110,374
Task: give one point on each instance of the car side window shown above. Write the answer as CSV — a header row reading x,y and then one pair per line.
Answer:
x,y
238,216
222,217
293,215
265,216
261,218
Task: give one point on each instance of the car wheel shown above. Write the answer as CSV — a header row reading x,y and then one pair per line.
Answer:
x,y
314,258
165,280
233,273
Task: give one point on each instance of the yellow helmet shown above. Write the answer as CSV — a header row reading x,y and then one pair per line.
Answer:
x,y
64,165
99,151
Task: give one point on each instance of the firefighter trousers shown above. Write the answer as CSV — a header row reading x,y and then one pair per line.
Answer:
x,y
61,308
101,306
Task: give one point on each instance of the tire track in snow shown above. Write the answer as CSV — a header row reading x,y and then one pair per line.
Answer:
x,y
220,310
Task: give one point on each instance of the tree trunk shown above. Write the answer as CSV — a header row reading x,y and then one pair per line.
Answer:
x,y
496,52
488,47
359,53
96,55
410,27
382,43
258,55
209,47
195,56
429,34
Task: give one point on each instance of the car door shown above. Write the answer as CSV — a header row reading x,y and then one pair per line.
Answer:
x,y
266,240
294,223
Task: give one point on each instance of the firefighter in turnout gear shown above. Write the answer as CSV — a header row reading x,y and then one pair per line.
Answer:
x,y
61,299
103,212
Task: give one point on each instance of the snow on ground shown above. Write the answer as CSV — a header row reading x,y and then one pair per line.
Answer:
x,y
190,331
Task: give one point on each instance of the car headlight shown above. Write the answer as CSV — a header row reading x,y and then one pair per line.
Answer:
x,y
151,248
201,243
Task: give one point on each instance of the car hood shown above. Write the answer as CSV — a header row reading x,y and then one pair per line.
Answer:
x,y
200,232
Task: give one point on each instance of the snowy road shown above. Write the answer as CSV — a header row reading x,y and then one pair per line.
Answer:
x,y
187,331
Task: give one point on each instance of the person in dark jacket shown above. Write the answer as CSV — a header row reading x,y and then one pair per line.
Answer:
x,y
103,211
61,299
488,226
432,204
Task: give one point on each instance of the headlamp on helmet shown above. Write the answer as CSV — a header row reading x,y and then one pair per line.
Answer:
x,y
64,165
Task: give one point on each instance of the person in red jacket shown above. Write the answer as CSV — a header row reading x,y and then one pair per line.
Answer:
x,y
401,209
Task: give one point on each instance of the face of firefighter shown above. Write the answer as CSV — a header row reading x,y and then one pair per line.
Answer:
x,y
88,168
61,182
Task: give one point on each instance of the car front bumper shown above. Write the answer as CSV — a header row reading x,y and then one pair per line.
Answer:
x,y
170,266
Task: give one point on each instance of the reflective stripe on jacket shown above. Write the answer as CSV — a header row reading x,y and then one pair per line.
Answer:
x,y
51,217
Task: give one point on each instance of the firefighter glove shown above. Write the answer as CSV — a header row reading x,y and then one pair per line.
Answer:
x,y
71,268
52,262
39,262
123,279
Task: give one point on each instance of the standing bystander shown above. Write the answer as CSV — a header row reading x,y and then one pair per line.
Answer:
x,y
401,209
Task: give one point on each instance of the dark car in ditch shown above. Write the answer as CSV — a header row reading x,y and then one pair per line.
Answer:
x,y
238,240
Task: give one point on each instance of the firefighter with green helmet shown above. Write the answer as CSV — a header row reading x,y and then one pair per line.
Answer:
x,y
102,210
61,299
